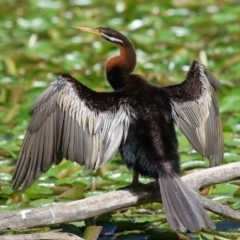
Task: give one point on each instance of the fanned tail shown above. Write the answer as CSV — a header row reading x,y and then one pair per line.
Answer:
x,y
182,209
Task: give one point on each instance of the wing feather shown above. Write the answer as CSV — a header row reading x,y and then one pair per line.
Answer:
x,y
114,141
69,120
195,110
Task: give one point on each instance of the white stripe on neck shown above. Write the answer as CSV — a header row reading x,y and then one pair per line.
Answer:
x,y
112,39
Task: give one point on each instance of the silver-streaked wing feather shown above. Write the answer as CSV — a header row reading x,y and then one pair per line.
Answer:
x,y
70,120
196,112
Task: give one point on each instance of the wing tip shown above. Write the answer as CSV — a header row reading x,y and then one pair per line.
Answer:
x,y
211,78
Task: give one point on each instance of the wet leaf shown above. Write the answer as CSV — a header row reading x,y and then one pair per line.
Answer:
x,y
168,235
74,193
71,228
92,232
226,188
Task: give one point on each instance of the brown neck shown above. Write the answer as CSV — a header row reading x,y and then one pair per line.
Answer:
x,y
120,66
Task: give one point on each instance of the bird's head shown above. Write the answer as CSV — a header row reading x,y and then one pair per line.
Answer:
x,y
109,34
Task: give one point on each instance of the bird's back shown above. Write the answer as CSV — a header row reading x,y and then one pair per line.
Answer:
x,y
151,140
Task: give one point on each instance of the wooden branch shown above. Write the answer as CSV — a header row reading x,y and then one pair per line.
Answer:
x,y
45,236
108,202
210,176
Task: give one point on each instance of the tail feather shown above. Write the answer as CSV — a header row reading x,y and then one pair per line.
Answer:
x,y
182,209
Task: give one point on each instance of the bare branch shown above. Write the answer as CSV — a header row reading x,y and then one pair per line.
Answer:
x,y
39,236
93,206
214,175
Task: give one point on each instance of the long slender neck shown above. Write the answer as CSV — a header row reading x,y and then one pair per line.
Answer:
x,y
120,66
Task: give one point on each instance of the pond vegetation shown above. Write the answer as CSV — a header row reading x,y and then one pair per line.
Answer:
x,y
37,44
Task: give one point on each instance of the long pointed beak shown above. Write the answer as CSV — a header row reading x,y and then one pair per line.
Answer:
x,y
91,30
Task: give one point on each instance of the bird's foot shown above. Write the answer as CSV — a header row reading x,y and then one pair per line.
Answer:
x,y
132,185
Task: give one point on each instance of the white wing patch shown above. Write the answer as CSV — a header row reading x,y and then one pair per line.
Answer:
x,y
199,119
194,112
106,129
63,125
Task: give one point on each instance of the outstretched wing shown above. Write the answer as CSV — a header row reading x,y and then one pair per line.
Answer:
x,y
195,110
69,120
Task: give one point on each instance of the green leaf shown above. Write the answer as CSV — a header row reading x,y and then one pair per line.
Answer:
x,y
74,193
92,232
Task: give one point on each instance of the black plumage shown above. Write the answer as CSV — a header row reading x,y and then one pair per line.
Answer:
x,y
74,122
